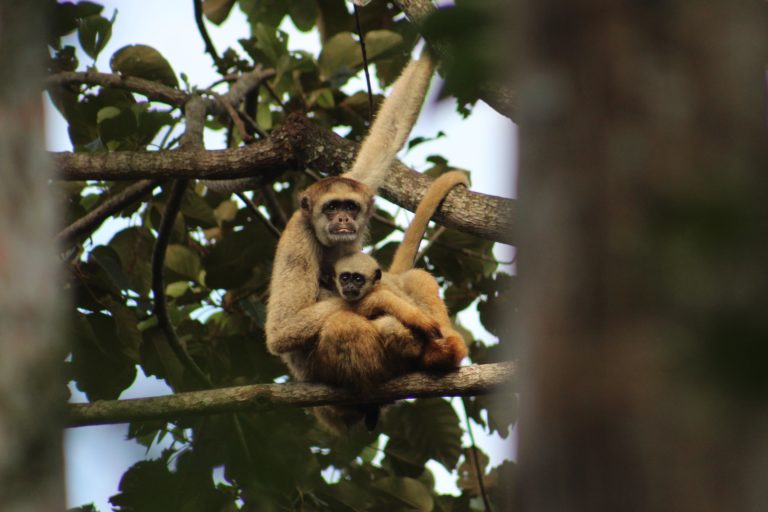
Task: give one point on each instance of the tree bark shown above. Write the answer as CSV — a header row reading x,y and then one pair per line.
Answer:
x,y
469,380
31,384
643,256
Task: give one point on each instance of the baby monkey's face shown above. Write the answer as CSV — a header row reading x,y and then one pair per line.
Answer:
x,y
356,275
352,285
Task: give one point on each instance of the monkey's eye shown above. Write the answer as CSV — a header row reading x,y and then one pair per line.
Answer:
x,y
350,206
358,279
344,277
331,206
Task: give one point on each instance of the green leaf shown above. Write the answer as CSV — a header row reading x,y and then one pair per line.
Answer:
x,y
380,44
270,12
322,97
264,115
144,62
419,431
303,13
126,328
233,260
195,208
184,261
150,122
408,491
217,10
115,124
99,368
109,261
498,312
134,247
225,212
94,33
267,44
65,16
340,55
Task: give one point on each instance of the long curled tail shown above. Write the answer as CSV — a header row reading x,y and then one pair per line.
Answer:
x,y
393,123
406,252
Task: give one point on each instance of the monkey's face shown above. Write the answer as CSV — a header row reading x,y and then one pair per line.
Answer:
x,y
352,285
340,218
338,209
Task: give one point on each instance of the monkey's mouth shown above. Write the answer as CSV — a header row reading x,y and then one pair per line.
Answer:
x,y
343,236
351,294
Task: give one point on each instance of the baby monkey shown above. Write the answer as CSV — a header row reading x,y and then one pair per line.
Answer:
x,y
358,279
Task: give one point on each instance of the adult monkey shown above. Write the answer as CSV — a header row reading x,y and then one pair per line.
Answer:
x,y
330,224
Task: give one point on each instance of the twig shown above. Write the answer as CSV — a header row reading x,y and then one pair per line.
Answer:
x,y
158,287
93,219
237,120
476,461
274,206
154,91
255,210
466,381
275,97
365,63
209,48
252,124
431,240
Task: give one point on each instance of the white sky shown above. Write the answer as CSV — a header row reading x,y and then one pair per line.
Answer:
x,y
485,144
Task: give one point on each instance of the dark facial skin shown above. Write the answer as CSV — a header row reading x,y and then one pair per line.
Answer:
x,y
350,284
342,216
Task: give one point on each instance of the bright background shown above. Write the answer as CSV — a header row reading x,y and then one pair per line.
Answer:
x,y
484,143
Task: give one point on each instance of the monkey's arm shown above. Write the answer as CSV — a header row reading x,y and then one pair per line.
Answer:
x,y
293,311
301,330
383,301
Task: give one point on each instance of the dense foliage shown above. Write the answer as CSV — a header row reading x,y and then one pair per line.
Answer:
x,y
217,268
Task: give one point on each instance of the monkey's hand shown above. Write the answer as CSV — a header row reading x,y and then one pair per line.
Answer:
x,y
424,325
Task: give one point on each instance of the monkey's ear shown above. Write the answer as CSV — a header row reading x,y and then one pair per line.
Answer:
x,y
305,203
377,274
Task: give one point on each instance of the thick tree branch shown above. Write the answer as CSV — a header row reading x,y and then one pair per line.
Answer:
x,y
498,96
299,143
466,381
266,158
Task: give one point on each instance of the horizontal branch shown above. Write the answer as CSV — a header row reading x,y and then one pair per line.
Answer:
x,y
154,91
264,157
298,143
466,381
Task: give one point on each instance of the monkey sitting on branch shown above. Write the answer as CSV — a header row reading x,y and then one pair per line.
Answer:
x,y
316,335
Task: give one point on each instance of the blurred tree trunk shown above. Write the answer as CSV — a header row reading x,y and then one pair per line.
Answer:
x,y
643,256
31,472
